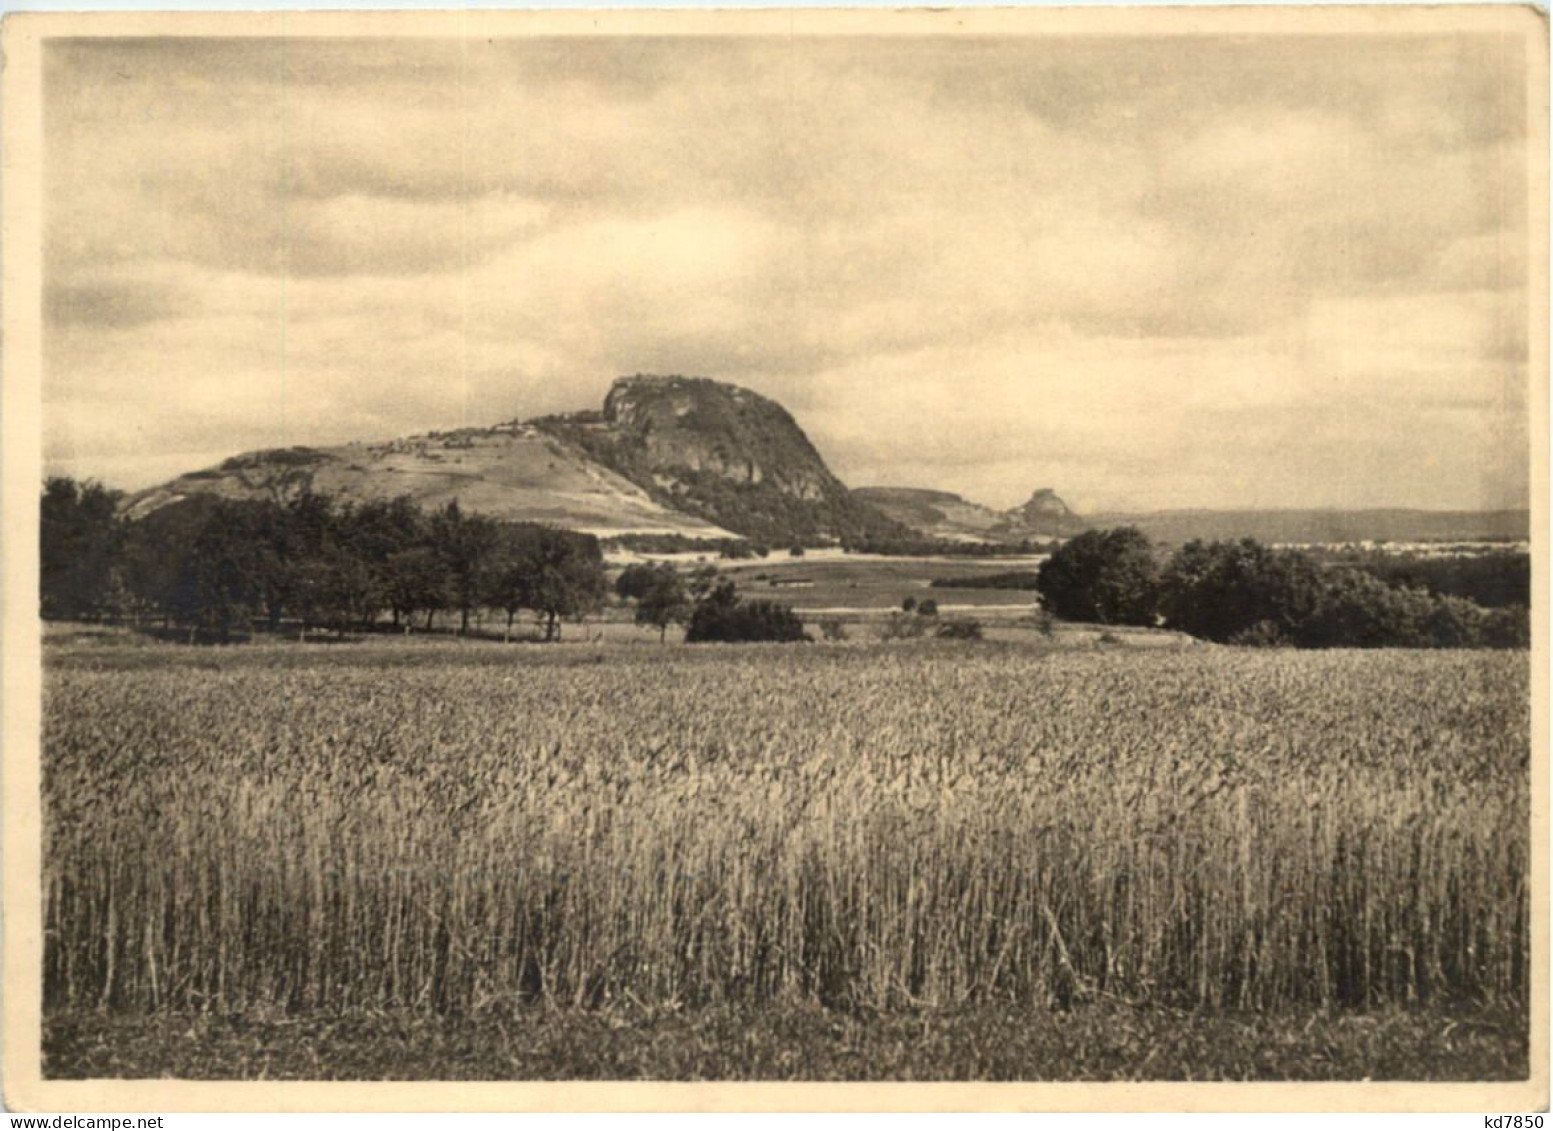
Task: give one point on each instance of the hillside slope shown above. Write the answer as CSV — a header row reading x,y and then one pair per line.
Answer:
x,y
513,472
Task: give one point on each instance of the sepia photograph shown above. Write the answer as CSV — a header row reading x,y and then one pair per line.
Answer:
x,y
843,548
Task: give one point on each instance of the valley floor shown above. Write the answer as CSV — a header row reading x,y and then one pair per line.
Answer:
x,y
1100,1042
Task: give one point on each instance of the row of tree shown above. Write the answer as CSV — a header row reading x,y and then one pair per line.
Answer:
x,y
214,565
1246,592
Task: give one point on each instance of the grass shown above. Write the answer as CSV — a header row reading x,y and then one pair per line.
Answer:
x,y
697,841
1108,1042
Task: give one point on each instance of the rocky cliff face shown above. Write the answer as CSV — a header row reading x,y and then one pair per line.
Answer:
x,y
685,423
723,454
1042,509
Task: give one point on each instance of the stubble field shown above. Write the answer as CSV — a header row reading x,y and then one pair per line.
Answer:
x,y
882,861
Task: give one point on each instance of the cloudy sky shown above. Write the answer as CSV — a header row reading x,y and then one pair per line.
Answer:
x,y
1212,271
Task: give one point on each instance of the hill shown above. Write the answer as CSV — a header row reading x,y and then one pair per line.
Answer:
x,y
666,455
515,472
947,516
725,455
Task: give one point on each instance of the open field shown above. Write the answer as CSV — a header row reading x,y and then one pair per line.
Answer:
x,y
1131,863
870,583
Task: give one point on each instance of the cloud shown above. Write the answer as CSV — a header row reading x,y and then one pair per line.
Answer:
x,y
1095,264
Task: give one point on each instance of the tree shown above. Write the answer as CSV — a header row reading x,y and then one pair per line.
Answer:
x,y
220,571
464,544
1355,610
908,605
928,607
1219,590
509,578
1102,576
635,580
566,576
78,546
376,531
1246,593
702,582
415,584
661,599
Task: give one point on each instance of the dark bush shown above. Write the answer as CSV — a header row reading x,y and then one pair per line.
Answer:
x,y
1246,593
927,607
959,629
721,617
1219,590
1493,580
1013,579
1102,577
1262,634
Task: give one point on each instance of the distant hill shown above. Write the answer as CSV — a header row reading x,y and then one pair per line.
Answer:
x,y
703,459
514,472
943,515
1376,525
667,455
725,455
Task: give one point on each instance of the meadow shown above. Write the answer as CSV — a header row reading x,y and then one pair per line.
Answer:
x,y
918,859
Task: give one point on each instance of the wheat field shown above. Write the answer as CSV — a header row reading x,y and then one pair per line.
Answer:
x,y
867,828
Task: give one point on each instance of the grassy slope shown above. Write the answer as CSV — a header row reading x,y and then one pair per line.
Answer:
x,y
1098,1042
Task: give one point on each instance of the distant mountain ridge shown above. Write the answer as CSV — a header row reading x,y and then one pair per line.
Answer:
x,y
699,458
947,516
1379,524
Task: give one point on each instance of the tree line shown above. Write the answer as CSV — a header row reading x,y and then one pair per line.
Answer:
x,y
212,565
1243,592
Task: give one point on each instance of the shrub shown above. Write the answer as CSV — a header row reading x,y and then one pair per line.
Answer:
x,y
1013,579
722,618
927,607
959,628
1508,628
1262,634
908,605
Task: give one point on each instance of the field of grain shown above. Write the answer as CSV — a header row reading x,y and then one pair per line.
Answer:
x,y
870,831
